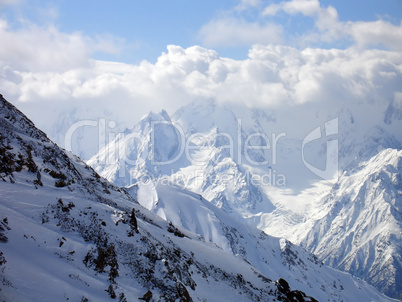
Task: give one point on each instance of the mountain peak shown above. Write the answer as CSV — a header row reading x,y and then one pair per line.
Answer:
x,y
151,117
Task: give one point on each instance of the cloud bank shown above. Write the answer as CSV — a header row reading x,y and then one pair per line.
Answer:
x,y
275,77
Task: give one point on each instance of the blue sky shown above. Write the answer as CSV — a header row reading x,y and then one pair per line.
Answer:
x,y
142,29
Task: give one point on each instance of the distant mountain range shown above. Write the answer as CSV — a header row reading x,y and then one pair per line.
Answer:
x,y
239,160
68,234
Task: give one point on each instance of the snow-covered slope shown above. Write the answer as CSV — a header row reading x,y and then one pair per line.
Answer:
x,y
361,232
67,234
271,256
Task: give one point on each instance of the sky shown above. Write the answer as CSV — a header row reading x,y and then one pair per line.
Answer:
x,y
64,61
131,31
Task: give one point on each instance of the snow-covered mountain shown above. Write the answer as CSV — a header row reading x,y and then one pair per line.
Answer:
x,y
255,167
361,232
137,153
68,234
195,156
270,255
355,224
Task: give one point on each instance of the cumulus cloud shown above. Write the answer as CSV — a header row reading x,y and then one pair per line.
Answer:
x,y
273,77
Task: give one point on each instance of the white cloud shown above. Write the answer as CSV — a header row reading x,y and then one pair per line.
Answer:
x,y
285,74
376,33
306,7
326,19
311,8
274,77
272,9
37,48
236,27
234,32
331,29
8,2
